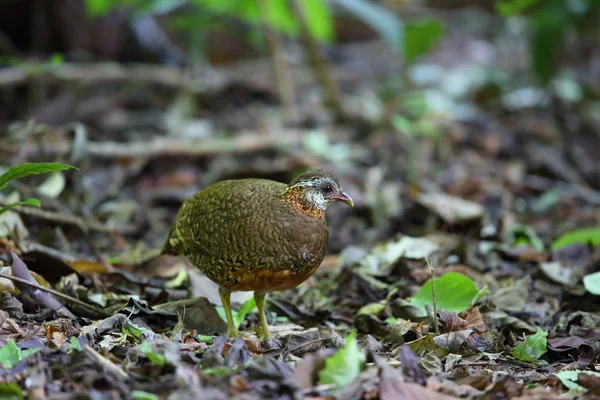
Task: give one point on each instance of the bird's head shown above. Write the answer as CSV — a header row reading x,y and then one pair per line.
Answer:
x,y
315,191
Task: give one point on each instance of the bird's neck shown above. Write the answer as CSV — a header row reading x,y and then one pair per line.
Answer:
x,y
296,198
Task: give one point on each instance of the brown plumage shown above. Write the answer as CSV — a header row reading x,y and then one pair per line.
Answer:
x,y
256,234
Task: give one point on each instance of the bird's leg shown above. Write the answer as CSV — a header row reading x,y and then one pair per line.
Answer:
x,y
232,330
259,298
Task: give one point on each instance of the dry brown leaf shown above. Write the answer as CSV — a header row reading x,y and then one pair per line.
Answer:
x,y
474,320
86,267
451,322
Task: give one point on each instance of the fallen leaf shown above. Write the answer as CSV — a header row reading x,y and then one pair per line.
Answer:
x,y
451,322
532,348
451,209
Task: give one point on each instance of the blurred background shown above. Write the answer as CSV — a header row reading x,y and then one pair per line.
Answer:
x,y
493,102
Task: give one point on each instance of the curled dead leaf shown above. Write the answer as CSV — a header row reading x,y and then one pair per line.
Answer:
x,y
474,320
451,322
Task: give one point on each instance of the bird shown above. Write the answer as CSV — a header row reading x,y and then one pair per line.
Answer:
x,y
256,235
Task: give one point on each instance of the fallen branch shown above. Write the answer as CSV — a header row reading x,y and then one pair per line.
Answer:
x,y
162,147
20,270
65,219
51,291
111,72
111,366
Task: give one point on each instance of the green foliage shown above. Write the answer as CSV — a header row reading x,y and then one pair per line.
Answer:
x,y
280,15
28,202
244,310
11,354
24,170
132,329
508,8
592,283
141,395
27,169
532,348
75,345
569,379
551,21
520,235
344,366
10,391
453,292
154,357
239,315
579,236
420,37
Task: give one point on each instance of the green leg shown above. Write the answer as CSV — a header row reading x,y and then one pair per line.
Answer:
x,y
259,298
232,330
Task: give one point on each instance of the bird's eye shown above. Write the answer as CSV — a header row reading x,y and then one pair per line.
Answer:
x,y
327,189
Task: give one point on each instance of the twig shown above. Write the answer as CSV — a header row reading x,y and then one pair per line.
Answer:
x,y
105,361
21,271
99,72
435,316
51,291
281,72
162,147
60,218
307,344
319,65
567,189
319,388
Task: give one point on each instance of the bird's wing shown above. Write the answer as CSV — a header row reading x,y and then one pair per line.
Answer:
x,y
227,219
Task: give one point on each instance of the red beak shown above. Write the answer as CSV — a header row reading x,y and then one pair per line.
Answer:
x,y
345,198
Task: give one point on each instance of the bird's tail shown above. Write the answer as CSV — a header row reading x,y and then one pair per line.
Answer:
x,y
173,246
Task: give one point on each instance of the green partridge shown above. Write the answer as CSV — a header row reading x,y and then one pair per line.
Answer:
x,y
256,234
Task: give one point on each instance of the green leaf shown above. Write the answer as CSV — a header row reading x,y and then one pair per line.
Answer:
x,y
579,236
132,329
592,283
520,235
155,358
244,310
240,315
546,40
28,202
75,345
344,366
10,354
31,169
532,348
205,339
386,24
318,17
453,292
484,291
569,379
509,8
141,395
10,391
281,18
420,37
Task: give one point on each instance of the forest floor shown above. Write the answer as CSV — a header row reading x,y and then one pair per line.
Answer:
x,y
460,167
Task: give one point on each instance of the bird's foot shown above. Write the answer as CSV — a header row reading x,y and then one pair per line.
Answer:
x,y
233,332
263,333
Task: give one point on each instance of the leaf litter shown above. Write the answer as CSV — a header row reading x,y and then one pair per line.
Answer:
x,y
492,201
